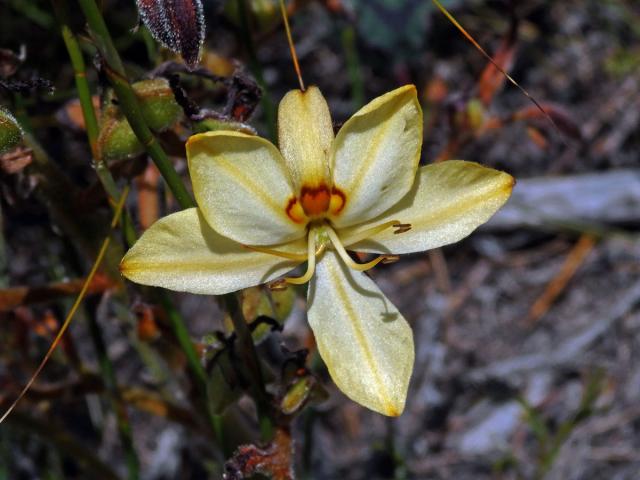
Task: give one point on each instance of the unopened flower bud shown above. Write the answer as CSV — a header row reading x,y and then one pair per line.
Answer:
x,y
176,24
296,395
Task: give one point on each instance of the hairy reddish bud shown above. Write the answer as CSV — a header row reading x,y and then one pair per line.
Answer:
x,y
177,24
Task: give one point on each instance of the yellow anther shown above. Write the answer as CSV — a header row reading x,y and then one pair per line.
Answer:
x,y
390,258
337,201
278,285
401,227
295,211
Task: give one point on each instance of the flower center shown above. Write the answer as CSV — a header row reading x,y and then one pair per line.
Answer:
x,y
322,235
315,203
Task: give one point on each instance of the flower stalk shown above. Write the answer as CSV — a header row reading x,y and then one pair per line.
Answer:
x,y
250,359
113,394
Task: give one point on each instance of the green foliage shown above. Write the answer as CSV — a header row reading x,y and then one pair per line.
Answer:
x,y
623,62
550,440
223,387
264,15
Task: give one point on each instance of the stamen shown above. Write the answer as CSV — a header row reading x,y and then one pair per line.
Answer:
x,y
370,232
402,227
391,259
278,285
311,262
361,267
298,257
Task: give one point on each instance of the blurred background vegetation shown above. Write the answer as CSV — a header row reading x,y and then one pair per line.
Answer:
x,y
527,333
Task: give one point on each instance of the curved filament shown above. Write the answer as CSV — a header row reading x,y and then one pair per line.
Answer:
x,y
311,263
361,267
370,232
298,257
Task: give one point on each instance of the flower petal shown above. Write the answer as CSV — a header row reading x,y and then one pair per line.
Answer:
x,y
376,154
242,188
363,339
448,201
182,252
305,135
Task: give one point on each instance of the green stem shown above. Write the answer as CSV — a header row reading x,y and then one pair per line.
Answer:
x,y
249,358
128,102
196,368
59,194
150,45
113,395
33,12
89,113
20,112
353,66
256,70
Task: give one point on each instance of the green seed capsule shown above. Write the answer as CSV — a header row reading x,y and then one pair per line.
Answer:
x,y
10,131
158,103
160,110
117,140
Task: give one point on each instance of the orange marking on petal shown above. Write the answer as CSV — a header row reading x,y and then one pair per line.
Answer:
x,y
295,211
338,201
315,201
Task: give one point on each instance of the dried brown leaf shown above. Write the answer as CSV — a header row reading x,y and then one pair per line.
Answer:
x,y
15,160
561,118
492,79
10,61
273,461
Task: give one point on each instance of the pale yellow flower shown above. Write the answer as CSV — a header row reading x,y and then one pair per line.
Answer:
x,y
262,212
